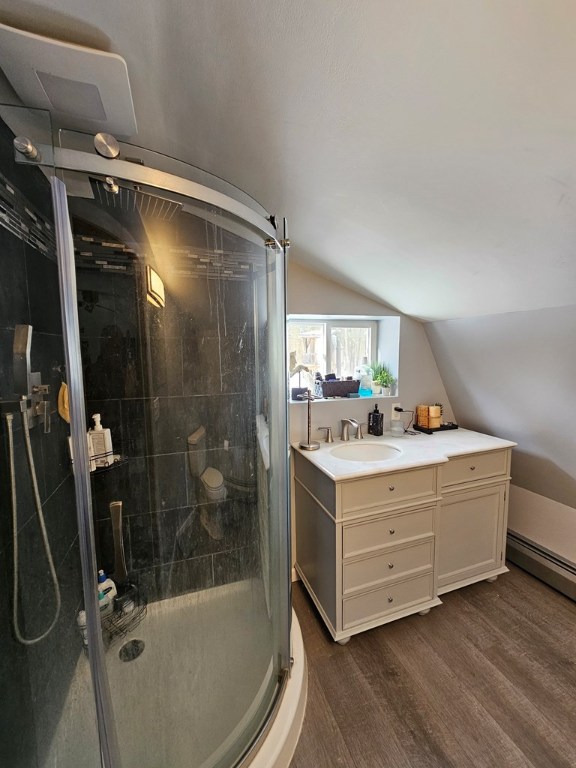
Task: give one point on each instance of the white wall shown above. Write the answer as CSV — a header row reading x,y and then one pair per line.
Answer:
x,y
514,375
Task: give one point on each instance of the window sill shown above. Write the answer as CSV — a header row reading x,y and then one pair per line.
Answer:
x,y
363,399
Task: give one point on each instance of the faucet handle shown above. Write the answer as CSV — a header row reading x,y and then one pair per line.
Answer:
x,y
329,438
359,433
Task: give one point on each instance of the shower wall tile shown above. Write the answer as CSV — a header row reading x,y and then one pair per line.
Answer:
x,y
231,418
135,415
166,369
14,306
52,681
167,478
55,453
17,743
175,535
171,420
61,523
202,364
236,565
105,544
43,292
237,355
184,576
126,304
235,523
140,551
36,587
96,307
112,367
6,364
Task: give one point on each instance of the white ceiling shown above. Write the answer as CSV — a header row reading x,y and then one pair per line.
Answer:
x,y
423,152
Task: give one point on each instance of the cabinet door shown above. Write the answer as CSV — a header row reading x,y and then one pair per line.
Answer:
x,y
470,534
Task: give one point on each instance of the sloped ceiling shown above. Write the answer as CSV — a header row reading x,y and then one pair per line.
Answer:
x,y
423,152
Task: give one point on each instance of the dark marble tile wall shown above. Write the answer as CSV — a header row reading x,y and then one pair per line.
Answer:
x,y
156,375
35,679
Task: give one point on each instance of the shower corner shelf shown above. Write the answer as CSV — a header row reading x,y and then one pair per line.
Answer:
x,y
118,462
121,621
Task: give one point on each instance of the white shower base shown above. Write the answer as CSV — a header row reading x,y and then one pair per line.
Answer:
x,y
183,702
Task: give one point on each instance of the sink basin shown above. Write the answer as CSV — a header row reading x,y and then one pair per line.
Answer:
x,y
363,451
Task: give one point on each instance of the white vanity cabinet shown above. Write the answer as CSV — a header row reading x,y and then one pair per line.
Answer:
x,y
377,543
472,518
366,547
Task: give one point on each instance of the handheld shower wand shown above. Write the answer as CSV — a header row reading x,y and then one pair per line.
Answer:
x,y
27,385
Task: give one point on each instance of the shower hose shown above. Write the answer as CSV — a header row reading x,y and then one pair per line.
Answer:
x,y
38,504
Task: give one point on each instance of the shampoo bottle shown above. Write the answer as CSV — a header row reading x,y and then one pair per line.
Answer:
x,y
375,422
101,443
106,593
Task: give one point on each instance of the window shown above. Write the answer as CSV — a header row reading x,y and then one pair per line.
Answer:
x,y
328,345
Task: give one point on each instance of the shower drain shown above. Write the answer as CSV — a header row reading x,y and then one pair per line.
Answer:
x,y
131,650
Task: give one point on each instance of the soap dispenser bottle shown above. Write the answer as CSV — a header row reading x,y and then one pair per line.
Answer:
x,y
101,443
375,422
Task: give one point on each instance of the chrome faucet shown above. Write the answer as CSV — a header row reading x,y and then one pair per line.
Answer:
x,y
346,424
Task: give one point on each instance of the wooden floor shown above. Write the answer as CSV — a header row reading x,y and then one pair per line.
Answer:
x,y
488,679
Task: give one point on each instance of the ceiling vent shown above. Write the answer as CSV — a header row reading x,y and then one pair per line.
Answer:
x,y
98,97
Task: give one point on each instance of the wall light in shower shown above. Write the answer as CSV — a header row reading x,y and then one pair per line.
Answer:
x,y
155,288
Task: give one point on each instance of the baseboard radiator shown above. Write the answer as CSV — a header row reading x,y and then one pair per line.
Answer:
x,y
546,565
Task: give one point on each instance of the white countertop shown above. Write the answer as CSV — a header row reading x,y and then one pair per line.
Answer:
x,y
415,450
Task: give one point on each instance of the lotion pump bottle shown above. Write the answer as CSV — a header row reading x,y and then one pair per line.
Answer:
x,y
375,422
101,443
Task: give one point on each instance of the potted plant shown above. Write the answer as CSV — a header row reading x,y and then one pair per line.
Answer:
x,y
376,371
383,378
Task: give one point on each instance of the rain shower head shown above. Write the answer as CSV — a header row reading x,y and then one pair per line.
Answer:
x,y
134,201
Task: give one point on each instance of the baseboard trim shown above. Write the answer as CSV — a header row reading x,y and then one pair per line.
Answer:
x,y
542,563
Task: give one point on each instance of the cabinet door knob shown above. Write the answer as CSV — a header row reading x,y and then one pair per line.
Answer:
x,y
390,599
392,531
390,487
390,565
472,467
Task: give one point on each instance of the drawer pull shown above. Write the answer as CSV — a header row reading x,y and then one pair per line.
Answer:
x,y
472,467
390,487
392,531
390,599
390,565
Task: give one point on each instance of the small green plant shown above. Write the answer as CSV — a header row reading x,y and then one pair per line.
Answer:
x,y
383,375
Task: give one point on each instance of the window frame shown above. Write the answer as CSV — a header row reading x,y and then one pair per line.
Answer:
x,y
338,321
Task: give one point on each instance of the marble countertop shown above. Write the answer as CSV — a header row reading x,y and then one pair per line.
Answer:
x,y
414,451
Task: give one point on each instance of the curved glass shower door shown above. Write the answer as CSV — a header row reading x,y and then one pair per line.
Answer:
x,y
181,308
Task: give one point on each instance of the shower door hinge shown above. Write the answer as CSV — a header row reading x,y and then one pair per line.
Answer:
x,y
271,243
285,244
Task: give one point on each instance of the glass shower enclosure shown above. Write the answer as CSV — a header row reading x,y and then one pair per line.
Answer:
x,y
167,377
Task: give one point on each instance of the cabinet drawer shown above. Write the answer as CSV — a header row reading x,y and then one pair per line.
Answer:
x,y
382,567
378,602
358,538
475,466
391,488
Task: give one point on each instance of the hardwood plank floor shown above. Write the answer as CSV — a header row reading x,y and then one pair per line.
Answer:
x,y
486,680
